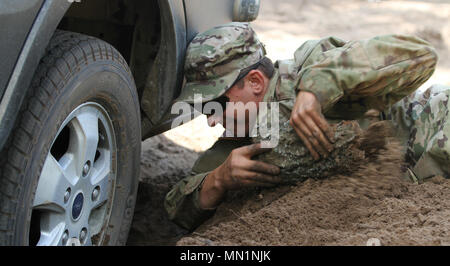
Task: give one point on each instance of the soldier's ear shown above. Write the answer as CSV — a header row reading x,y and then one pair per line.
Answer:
x,y
256,81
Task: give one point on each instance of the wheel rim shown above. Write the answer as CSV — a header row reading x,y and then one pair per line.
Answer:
x,y
73,199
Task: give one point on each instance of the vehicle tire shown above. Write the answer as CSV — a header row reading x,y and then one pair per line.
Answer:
x,y
69,172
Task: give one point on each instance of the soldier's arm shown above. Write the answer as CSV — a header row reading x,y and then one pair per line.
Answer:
x,y
194,199
373,73
237,171
387,68
181,203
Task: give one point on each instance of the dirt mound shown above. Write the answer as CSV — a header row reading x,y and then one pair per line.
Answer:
x,y
374,202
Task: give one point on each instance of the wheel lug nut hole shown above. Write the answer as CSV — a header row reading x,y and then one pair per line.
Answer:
x,y
67,195
65,237
86,168
95,193
83,234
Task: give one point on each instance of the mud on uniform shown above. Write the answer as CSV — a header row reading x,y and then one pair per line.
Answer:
x,y
348,79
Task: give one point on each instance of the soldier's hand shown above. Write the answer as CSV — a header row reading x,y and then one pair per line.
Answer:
x,y
309,123
239,170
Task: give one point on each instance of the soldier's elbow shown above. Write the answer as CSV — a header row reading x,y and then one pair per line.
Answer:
x,y
434,57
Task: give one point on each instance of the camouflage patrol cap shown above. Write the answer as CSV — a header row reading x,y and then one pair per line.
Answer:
x,y
215,58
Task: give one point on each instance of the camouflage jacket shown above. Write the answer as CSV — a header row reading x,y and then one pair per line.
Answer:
x,y
348,79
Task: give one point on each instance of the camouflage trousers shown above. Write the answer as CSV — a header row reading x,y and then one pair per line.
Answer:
x,y
422,121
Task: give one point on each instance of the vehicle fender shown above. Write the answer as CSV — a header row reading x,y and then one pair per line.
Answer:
x,y
44,25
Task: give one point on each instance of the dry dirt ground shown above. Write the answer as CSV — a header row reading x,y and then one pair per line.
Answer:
x,y
373,203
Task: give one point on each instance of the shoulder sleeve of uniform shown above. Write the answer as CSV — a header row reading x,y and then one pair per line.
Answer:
x,y
309,52
393,65
289,69
181,203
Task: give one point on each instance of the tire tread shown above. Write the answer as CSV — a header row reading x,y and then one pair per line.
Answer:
x,y
54,69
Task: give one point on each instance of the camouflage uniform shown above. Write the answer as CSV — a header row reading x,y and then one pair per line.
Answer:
x,y
348,79
423,122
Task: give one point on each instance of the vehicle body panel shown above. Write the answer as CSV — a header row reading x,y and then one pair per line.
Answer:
x,y
202,15
34,22
21,14
197,20
166,75
32,51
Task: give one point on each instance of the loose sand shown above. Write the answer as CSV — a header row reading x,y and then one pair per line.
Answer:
x,y
343,210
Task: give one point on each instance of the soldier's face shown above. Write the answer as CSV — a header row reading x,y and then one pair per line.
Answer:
x,y
241,110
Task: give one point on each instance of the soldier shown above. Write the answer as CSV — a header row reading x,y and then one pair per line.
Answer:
x,y
328,80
